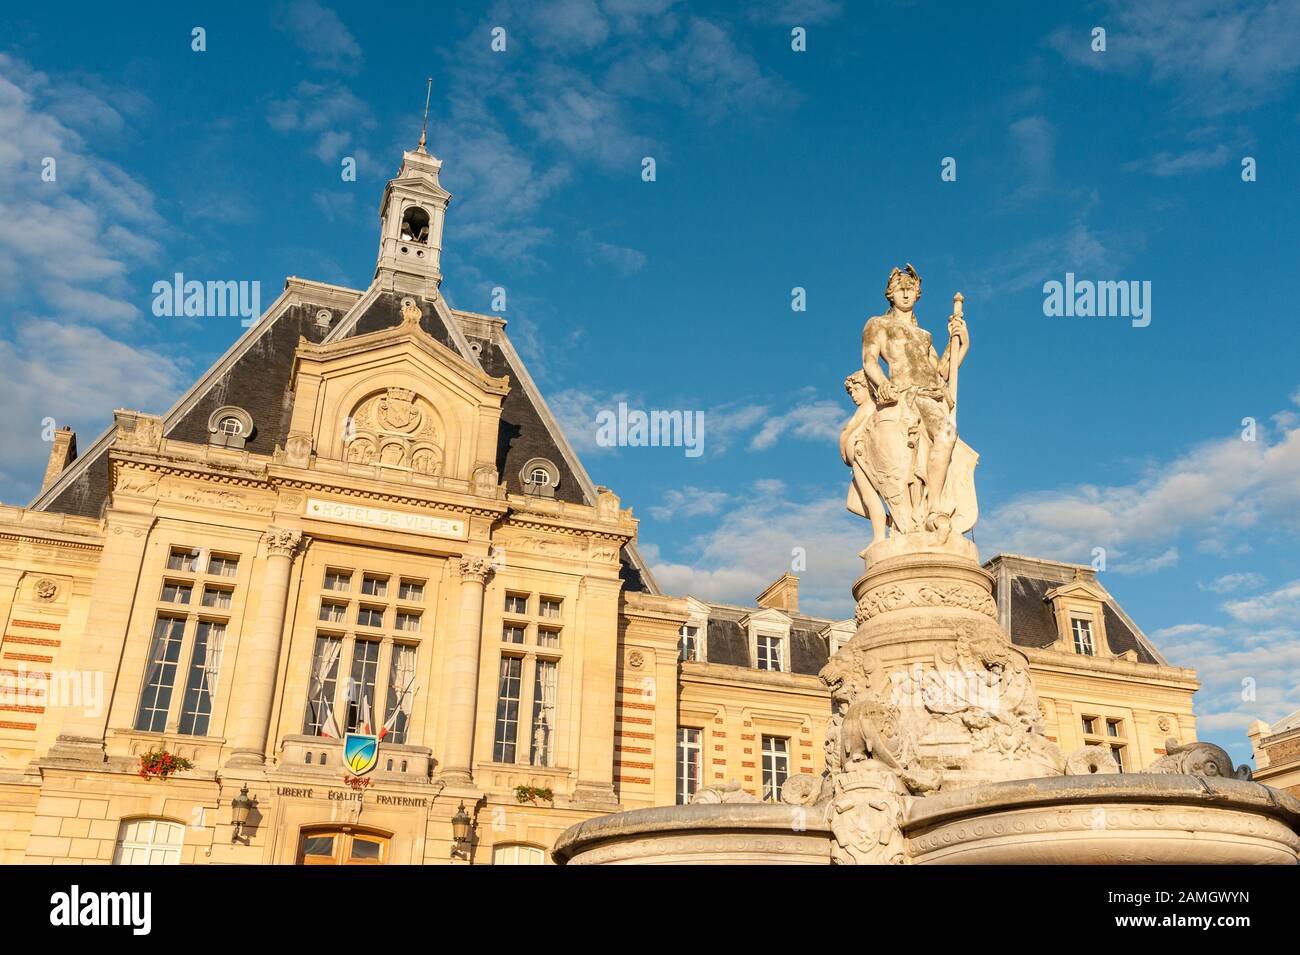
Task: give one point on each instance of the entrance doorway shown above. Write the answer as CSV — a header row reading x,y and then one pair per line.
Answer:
x,y
342,845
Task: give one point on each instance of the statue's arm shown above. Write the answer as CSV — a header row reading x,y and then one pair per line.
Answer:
x,y
871,359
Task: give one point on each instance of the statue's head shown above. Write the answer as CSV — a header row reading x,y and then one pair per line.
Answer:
x,y
856,386
903,288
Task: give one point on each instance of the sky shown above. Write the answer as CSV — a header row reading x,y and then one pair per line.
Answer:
x,y
1173,444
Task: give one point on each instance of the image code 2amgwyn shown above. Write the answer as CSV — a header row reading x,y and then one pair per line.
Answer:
x,y
651,432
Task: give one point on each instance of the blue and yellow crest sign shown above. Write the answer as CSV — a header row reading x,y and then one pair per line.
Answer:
x,y
360,753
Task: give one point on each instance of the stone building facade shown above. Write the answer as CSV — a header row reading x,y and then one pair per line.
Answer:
x,y
1276,749
363,519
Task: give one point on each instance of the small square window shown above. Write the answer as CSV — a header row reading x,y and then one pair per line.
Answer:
x,y
217,598
370,617
220,566
770,653
548,638
516,603
512,634
340,580
183,559
410,590
373,586
333,613
549,607
176,593
408,621
1090,725
1112,728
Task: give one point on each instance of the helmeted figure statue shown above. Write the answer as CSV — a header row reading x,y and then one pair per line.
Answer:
x,y
902,442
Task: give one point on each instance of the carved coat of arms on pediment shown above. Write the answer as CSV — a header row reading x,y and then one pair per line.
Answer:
x,y
397,429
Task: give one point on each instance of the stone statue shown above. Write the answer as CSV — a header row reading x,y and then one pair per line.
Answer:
x,y
902,442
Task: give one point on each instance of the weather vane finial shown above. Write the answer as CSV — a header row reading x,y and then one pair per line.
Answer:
x,y
425,128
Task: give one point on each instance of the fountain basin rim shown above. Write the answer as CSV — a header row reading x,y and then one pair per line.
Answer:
x,y
736,817
1169,789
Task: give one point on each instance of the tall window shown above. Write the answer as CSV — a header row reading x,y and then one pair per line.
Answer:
x,y
776,766
507,735
361,689
688,643
186,645
1083,642
164,652
319,720
689,763
528,682
543,713
148,842
201,687
364,664
769,653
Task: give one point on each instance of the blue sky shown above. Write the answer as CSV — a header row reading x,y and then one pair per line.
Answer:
x,y
775,169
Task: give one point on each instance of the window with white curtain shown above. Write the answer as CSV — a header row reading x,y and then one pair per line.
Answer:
x,y
201,687
401,693
543,713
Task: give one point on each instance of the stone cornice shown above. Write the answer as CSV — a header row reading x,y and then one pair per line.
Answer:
x,y
1109,669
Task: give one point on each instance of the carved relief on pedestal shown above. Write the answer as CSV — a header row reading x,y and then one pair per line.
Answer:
x,y
398,429
903,596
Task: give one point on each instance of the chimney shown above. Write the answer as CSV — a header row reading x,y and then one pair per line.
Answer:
x,y
782,595
63,451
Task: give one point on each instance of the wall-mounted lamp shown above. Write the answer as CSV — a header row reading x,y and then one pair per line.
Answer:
x,y
461,829
239,808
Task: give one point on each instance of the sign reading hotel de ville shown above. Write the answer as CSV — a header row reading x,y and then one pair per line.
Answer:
x,y
390,520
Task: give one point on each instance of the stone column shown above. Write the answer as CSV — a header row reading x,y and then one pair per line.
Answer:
x,y
595,782
462,670
259,652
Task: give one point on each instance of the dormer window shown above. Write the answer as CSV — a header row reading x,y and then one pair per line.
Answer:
x,y
229,427
771,652
540,477
1084,643
415,225
688,644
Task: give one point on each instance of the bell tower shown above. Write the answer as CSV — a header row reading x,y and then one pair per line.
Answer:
x,y
410,224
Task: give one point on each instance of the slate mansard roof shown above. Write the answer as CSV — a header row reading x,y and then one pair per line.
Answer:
x,y
255,374
1023,582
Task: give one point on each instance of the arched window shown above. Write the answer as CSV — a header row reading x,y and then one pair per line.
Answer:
x,y
148,842
415,225
516,853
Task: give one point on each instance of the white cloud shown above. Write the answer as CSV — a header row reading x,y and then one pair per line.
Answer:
x,y
318,30
1221,492
332,116
73,374
817,421
71,243
1276,606
1230,582
755,542
1246,52
689,502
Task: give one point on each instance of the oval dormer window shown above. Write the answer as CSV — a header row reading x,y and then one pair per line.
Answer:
x,y
229,427
539,477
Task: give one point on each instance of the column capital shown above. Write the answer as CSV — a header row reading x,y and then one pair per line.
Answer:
x,y
476,569
282,541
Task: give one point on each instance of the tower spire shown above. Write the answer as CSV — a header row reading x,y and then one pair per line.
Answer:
x,y
425,128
